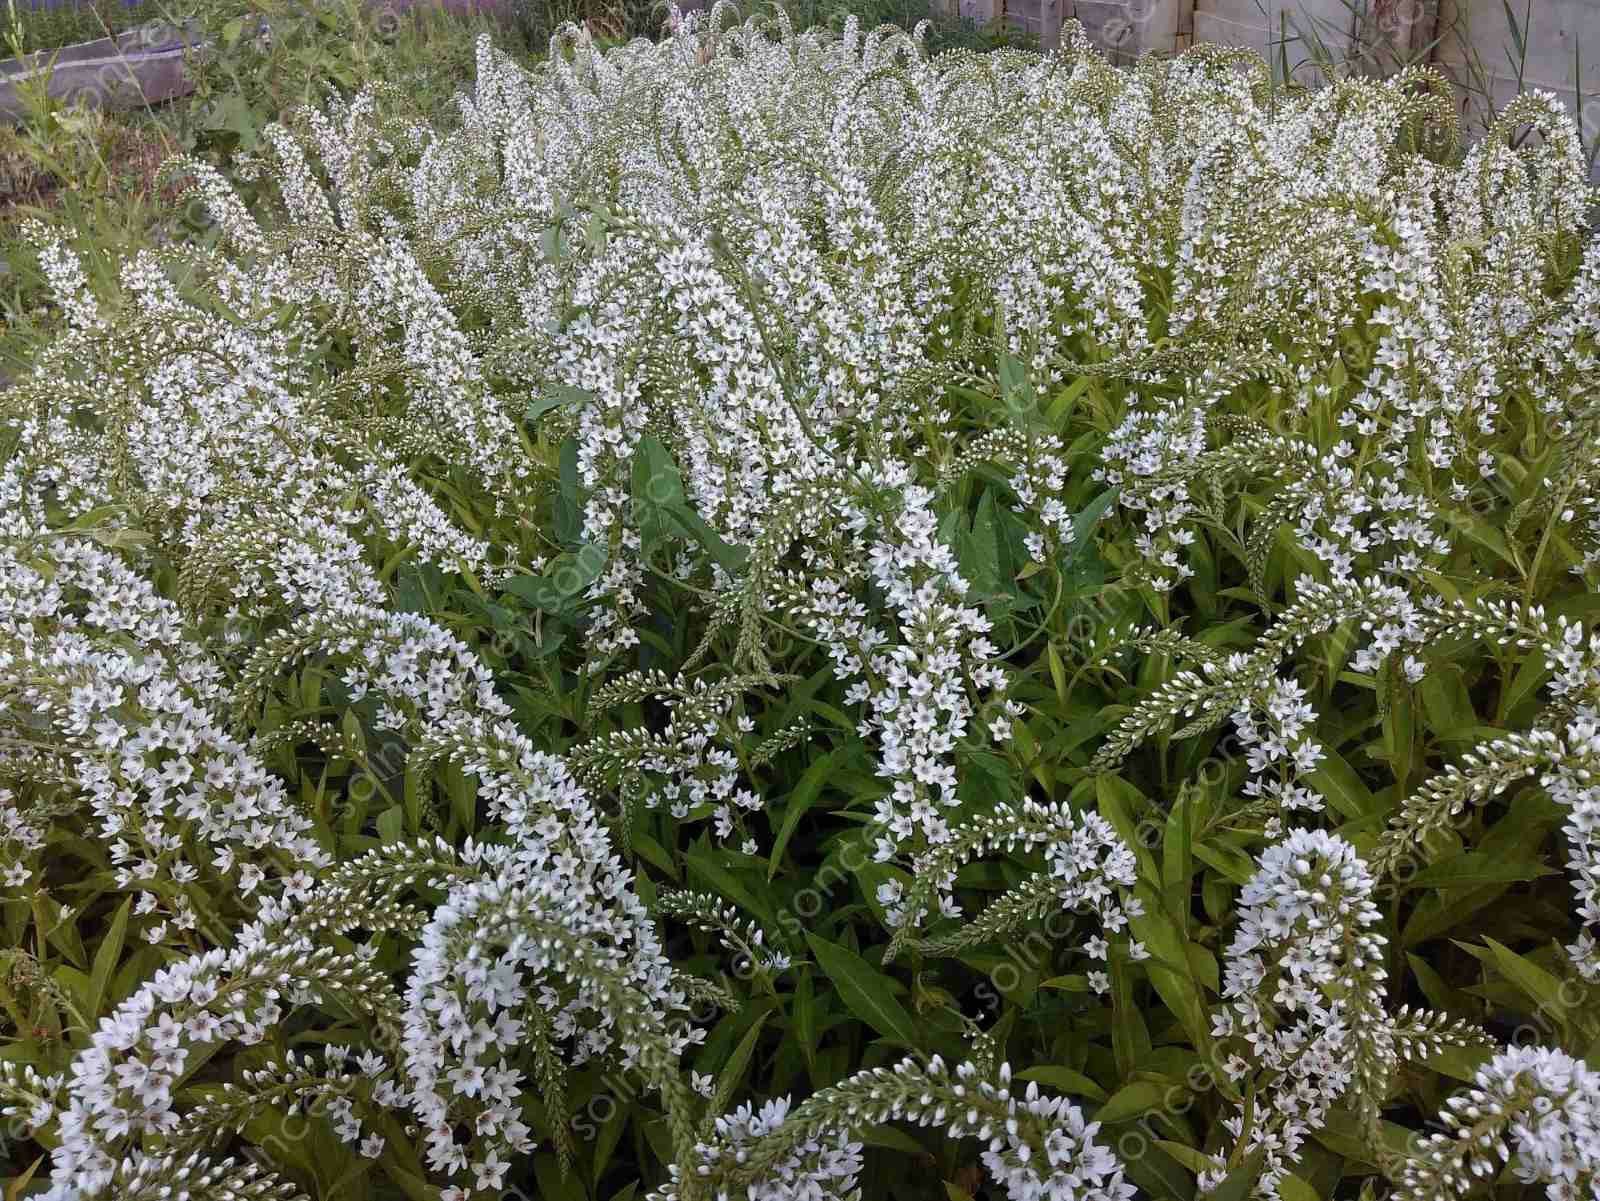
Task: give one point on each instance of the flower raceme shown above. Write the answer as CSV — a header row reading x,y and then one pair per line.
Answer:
x,y
1535,1106
1305,983
1038,1148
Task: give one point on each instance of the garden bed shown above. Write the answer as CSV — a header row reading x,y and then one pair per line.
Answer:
x,y
775,614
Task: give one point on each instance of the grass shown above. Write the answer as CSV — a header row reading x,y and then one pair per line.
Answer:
x,y
43,27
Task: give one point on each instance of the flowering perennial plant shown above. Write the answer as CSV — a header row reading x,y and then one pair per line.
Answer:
x,y
771,565
1039,1149
1531,1105
1306,984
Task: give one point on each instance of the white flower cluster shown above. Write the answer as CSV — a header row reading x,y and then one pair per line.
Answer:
x,y
821,1166
1306,1020
917,683
1276,207
1087,869
1305,986
1243,682
225,452
104,698
739,935
133,704
22,836
1563,760
548,922
1572,778
1037,1148
121,1088
1567,765
1535,1107
1280,751
690,765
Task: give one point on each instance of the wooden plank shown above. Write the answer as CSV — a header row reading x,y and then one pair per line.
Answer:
x,y
982,12
1478,51
1279,29
1127,30
1050,24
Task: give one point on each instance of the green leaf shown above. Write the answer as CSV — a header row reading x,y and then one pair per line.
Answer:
x,y
561,587
980,559
1131,1100
1445,700
1442,911
1439,994
1335,779
1169,969
105,960
1532,675
1196,1161
1064,401
1459,1063
1064,1080
1485,535
733,1070
1229,861
1130,1037
1058,670
607,1137
892,1139
730,883
1177,860
554,1184
570,499
657,482
1016,387
1293,1188
1115,798
392,824
19,1184
553,397
729,557
804,1017
1540,986
1085,521
654,853
1071,983
356,1169
868,993
1476,867
1344,1134
1399,733
661,506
